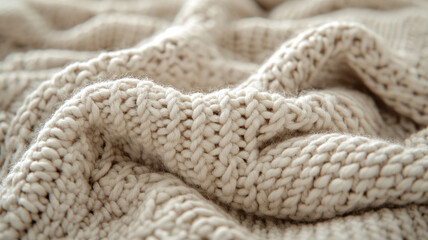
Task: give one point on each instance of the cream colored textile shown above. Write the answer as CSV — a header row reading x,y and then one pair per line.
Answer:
x,y
214,119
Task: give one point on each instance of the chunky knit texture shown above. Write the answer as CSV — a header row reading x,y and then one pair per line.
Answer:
x,y
214,119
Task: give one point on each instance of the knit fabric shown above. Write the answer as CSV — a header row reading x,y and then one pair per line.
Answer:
x,y
214,119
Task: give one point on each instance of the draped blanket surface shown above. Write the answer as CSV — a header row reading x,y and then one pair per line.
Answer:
x,y
214,119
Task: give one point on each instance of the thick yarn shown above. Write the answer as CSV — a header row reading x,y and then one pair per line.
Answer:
x,y
214,119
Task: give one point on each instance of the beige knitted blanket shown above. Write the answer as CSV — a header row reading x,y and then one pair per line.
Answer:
x,y
214,119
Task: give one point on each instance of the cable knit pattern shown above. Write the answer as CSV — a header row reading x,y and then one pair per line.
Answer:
x,y
214,119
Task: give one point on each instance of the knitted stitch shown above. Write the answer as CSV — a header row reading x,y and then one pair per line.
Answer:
x,y
214,119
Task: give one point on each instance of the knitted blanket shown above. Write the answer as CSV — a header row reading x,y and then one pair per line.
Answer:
x,y
214,119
